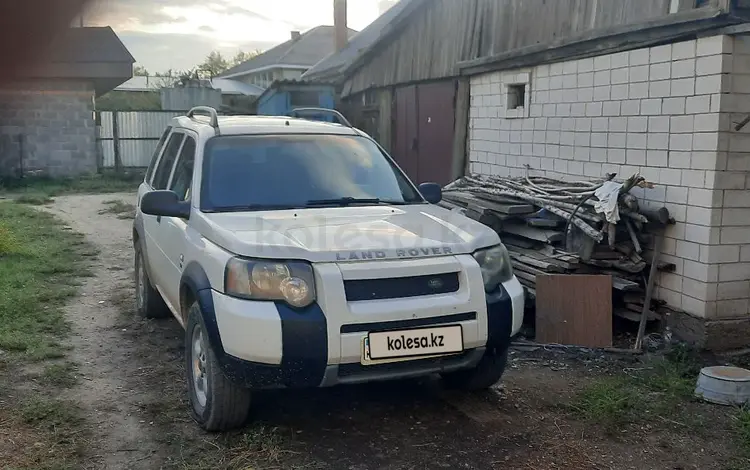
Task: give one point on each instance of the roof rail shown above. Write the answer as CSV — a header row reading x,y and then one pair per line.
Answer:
x,y
206,111
319,111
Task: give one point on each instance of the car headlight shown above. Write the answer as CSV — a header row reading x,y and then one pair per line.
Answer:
x,y
495,265
292,282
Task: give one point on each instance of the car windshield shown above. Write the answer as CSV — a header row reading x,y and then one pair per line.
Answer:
x,y
295,171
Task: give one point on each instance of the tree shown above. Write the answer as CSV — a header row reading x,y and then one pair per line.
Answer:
x,y
243,56
214,64
140,71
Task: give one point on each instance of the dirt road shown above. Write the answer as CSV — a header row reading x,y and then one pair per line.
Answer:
x,y
134,392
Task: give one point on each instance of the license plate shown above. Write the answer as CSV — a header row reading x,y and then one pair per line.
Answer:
x,y
393,346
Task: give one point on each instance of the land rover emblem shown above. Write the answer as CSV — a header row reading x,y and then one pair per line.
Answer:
x,y
435,284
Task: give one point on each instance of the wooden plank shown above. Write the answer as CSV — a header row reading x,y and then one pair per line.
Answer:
x,y
624,285
511,208
528,269
526,276
516,242
563,261
543,265
666,267
597,42
634,316
603,255
574,310
541,222
544,236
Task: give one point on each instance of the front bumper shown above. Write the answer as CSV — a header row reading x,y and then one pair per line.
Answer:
x,y
295,352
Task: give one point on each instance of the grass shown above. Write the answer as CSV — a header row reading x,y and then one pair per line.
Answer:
x,y
259,446
53,433
40,263
38,190
36,277
60,375
34,199
742,428
657,390
50,413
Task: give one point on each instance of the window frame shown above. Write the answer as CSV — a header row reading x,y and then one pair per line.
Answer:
x,y
156,157
511,81
187,135
171,170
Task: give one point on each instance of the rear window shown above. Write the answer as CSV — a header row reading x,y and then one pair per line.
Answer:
x,y
290,171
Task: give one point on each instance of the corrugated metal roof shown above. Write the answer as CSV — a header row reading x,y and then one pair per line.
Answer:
x,y
235,87
336,63
139,83
305,51
227,86
289,82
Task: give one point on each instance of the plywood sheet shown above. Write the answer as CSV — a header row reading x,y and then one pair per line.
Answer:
x,y
574,309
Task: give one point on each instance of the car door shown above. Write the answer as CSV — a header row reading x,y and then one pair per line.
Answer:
x,y
173,229
158,265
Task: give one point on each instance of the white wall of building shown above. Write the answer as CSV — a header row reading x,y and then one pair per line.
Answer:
x,y
666,112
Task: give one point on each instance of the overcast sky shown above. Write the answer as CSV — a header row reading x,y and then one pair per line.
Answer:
x,y
178,34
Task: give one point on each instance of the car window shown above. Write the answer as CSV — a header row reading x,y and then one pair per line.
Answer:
x,y
293,170
164,169
157,151
183,171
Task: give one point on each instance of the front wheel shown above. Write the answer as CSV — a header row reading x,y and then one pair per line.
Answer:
x,y
217,404
486,374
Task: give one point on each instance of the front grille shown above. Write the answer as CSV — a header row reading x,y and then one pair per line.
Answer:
x,y
401,287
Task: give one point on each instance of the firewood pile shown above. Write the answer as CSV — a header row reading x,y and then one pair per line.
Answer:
x,y
568,227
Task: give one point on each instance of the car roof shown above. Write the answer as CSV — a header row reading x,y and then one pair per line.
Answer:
x,y
249,125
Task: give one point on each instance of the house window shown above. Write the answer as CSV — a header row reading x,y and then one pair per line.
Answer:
x,y
515,94
516,97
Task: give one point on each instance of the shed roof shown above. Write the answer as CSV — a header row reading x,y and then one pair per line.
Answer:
x,y
141,83
236,87
86,45
279,84
305,51
93,54
336,63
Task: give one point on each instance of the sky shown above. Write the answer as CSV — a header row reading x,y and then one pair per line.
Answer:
x,y
178,34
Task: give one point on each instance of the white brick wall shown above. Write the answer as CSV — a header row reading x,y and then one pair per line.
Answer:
x,y
666,112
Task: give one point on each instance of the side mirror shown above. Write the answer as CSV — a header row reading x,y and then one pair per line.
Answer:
x,y
432,192
165,204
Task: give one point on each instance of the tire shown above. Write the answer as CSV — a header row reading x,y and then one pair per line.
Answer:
x,y
148,300
486,374
216,403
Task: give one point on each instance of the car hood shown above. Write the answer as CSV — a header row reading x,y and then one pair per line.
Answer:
x,y
347,233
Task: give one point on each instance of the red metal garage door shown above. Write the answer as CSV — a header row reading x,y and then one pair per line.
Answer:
x,y
424,130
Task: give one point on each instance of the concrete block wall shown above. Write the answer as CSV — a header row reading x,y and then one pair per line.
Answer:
x,y
663,112
56,121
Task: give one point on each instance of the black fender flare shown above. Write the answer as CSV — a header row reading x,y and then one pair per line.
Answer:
x,y
195,281
139,236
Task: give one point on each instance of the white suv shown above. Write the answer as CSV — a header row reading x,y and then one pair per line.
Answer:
x,y
296,253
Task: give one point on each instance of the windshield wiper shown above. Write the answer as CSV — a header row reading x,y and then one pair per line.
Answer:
x,y
351,201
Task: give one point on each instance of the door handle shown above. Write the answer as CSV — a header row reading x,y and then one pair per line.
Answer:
x,y
158,219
